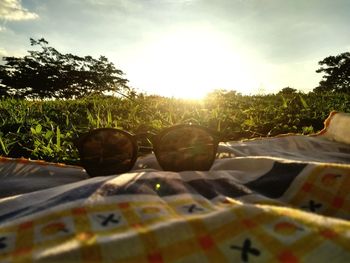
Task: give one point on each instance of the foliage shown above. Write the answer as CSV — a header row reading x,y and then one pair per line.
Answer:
x,y
47,129
287,91
336,76
50,74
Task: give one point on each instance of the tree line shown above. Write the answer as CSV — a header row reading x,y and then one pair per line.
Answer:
x,y
47,73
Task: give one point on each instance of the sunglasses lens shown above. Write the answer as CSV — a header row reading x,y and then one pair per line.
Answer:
x,y
186,148
106,152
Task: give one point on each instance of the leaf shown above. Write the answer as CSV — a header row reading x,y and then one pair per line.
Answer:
x,y
58,137
48,135
109,118
284,105
38,128
3,146
303,102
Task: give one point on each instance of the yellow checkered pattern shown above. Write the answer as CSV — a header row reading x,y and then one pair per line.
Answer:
x,y
323,190
164,230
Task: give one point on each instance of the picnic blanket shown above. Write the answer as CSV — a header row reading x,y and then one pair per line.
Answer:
x,y
282,199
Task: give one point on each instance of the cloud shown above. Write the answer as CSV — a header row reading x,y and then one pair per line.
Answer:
x,y
13,10
123,4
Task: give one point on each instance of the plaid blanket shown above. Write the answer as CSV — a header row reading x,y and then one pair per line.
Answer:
x,y
282,199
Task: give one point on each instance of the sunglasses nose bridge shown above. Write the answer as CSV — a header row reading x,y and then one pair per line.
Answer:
x,y
145,142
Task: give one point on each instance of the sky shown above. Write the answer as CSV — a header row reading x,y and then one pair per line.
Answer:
x,y
187,48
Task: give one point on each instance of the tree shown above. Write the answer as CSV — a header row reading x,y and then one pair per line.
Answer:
x,y
287,91
336,76
48,73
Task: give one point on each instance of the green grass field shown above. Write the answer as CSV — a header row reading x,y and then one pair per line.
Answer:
x,y
46,129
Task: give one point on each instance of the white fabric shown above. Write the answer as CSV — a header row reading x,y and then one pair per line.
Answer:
x,y
338,127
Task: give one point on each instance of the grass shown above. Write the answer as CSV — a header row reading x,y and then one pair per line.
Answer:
x,y
46,130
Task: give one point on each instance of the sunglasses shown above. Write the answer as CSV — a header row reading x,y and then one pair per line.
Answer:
x,y
185,147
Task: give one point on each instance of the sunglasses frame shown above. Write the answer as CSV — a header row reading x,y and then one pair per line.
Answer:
x,y
157,138
155,141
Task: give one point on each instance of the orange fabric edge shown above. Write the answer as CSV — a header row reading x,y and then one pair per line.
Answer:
x,y
327,122
36,162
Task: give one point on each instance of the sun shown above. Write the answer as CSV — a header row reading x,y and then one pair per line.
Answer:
x,y
190,63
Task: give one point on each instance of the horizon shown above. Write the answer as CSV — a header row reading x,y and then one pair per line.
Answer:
x,y
188,48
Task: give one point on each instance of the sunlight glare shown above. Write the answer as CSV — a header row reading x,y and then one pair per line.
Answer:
x,y
191,63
